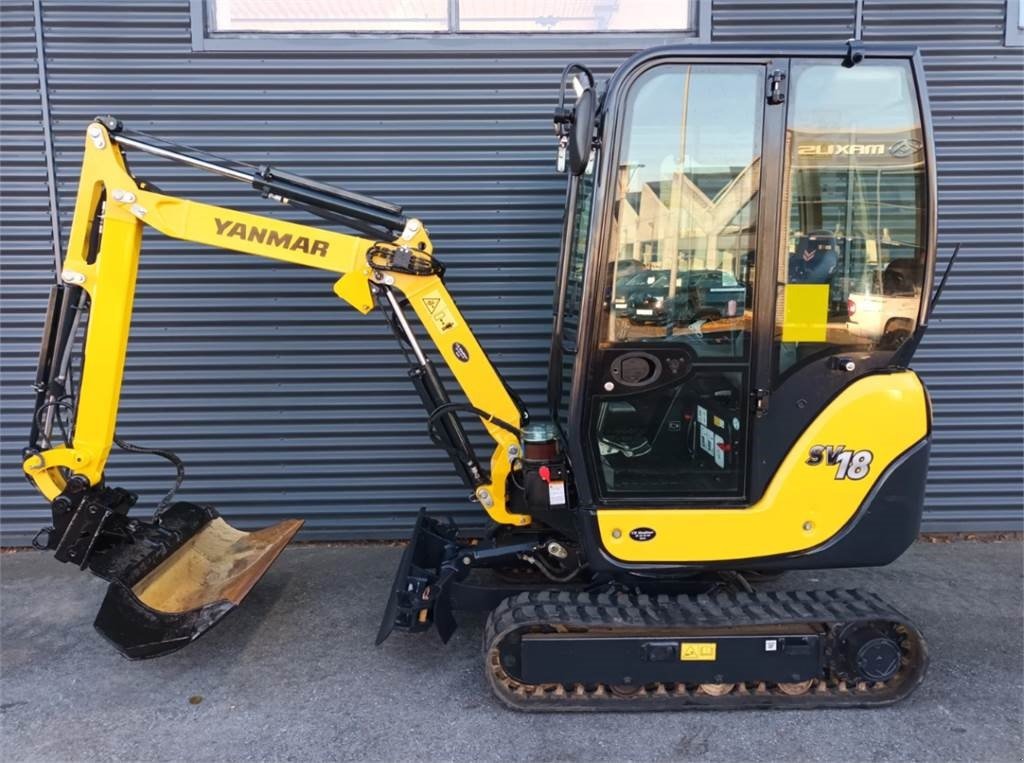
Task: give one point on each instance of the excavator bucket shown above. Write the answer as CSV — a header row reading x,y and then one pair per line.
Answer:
x,y
179,576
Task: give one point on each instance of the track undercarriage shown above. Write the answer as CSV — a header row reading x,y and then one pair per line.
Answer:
x,y
557,650
588,643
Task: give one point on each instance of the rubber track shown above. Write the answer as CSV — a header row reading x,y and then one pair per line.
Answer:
x,y
633,613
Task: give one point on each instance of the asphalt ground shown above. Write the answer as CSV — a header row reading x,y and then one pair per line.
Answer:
x,y
294,675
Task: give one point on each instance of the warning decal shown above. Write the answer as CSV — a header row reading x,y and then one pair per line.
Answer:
x,y
439,311
704,651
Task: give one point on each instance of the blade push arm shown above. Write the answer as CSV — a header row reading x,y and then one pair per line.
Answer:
x,y
104,266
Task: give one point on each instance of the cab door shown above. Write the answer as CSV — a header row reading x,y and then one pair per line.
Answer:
x,y
666,409
857,243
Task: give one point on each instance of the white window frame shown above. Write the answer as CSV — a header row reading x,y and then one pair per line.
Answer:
x,y
1014,24
206,37
294,25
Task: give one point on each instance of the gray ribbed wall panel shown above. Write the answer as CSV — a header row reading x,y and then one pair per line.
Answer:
x,y
26,254
805,21
285,402
972,357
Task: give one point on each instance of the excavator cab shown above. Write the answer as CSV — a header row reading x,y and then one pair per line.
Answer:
x,y
716,248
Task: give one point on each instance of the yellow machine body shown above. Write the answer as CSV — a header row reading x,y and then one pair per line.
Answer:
x,y
805,505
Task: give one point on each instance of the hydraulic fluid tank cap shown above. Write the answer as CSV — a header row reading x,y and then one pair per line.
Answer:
x,y
543,432
540,442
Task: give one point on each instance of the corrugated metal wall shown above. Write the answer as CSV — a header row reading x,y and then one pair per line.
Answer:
x,y
26,257
972,358
284,402
807,21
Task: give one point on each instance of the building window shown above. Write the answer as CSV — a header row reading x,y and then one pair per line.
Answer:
x,y
330,15
453,16
573,15
1014,23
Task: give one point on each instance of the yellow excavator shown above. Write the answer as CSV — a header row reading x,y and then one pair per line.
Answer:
x,y
717,415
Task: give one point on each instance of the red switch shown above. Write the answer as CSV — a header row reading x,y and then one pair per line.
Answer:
x,y
545,473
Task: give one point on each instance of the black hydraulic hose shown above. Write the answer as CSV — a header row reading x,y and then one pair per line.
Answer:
x,y
168,455
484,415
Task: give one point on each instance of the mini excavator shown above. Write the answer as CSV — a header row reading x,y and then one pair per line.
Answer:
x,y
745,272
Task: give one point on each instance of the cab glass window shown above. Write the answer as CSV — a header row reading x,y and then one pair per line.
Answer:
x,y
579,234
852,269
683,231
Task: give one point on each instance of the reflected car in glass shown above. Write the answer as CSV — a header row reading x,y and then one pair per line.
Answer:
x,y
699,295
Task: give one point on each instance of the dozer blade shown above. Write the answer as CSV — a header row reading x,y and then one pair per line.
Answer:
x,y
432,581
189,570
418,599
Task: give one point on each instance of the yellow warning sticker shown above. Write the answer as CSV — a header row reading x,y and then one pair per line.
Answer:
x,y
698,651
439,311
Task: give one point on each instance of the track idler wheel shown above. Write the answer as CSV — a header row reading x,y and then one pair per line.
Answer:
x,y
869,652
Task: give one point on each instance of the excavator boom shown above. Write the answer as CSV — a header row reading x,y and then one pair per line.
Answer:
x,y
174,576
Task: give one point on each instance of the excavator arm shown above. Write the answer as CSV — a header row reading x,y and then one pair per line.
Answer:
x,y
173,577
